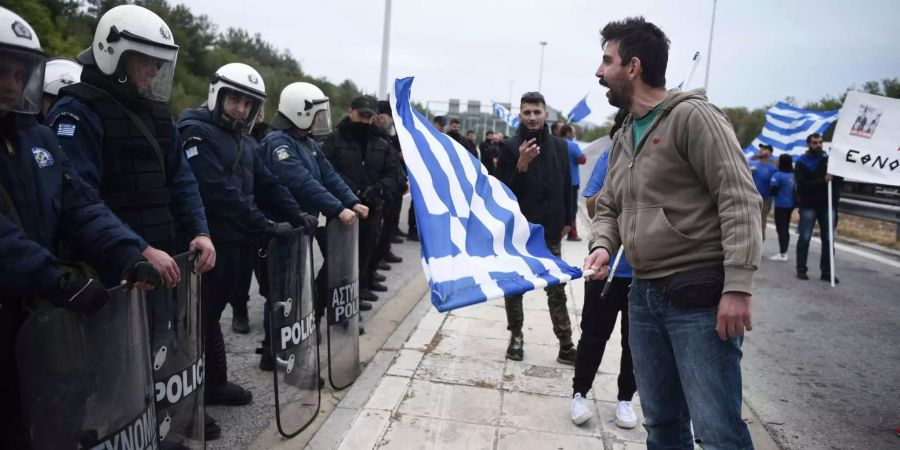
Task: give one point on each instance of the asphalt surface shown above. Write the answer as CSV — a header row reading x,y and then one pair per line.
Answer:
x,y
243,424
821,367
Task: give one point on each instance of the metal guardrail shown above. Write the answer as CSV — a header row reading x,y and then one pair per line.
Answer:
x,y
869,210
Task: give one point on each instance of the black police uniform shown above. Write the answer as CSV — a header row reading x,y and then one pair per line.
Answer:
x,y
368,164
299,163
233,181
43,201
150,189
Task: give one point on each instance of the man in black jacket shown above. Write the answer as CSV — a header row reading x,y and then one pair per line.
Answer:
x,y
812,177
488,150
535,166
368,164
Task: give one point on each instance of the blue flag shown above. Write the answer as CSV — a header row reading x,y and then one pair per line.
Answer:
x,y
476,244
580,111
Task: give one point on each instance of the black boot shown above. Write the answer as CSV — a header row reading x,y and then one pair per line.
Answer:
x,y
227,394
240,323
392,258
211,430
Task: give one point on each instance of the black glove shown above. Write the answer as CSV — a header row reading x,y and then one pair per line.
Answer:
x,y
371,193
140,270
279,229
308,222
80,294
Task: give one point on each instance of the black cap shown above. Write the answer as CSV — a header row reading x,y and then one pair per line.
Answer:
x,y
765,146
384,107
365,103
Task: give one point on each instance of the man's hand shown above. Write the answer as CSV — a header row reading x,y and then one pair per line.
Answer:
x,y
164,264
566,229
207,258
527,152
598,261
734,315
361,209
828,177
347,217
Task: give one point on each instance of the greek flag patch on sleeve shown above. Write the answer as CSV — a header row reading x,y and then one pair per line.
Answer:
x,y
281,153
191,152
65,130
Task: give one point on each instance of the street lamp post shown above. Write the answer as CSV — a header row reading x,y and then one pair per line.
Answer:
x,y
385,50
541,72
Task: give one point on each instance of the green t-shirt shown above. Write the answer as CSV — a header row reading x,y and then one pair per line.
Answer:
x,y
641,125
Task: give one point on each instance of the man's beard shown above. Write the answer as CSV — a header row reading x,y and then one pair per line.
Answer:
x,y
622,98
621,95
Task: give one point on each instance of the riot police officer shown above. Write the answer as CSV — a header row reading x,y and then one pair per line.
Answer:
x,y
39,192
59,72
233,180
292,153
119,133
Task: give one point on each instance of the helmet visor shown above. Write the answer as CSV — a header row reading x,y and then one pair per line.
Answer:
x,y
151,75
239,108
21,80
321,124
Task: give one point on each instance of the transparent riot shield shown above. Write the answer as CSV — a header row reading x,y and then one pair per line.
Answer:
x,y
86,381
342,303
293,332
177,356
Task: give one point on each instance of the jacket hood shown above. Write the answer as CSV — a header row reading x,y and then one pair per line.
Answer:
x,y
676,96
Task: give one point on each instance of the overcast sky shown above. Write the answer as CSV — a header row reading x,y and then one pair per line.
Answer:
x,y
763,50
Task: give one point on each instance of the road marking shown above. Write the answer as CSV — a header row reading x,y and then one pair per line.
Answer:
x,y
851,249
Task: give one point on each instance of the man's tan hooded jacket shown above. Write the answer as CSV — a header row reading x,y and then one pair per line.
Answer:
x,y
683,197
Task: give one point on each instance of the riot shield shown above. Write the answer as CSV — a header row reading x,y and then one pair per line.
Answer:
x,y
293,332
177,356
86,381
342,303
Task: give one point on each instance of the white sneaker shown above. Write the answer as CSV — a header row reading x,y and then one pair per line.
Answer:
x,y
784,257
625,416
581,410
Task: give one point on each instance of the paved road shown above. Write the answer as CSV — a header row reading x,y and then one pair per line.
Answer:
x,y
822,366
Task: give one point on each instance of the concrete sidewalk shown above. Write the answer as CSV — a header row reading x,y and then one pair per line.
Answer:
x,y
442,381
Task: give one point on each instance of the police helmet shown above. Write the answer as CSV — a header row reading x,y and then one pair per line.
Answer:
x,y
132,43
240,79
21,65
304,106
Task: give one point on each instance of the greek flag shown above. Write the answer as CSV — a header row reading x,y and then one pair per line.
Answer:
x,y
507,115
476,244
787,127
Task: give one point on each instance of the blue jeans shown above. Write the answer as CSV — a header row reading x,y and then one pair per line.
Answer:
x,y
685,374
808,219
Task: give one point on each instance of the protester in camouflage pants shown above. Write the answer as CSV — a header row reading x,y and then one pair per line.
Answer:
x,y
556,299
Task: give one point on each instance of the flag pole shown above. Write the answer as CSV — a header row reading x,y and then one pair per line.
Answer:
x,y
831,231
609,276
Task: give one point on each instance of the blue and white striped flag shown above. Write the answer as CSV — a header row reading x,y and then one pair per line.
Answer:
x,y
476,244
787,127
507,115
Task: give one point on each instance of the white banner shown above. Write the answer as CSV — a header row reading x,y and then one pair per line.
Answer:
x,y
866,143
